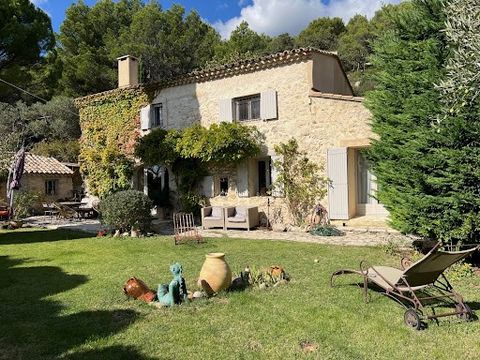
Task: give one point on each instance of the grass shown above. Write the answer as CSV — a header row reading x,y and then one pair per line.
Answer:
x,y
61,297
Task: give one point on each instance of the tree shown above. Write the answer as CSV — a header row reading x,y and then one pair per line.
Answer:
x,y
451,210
354,45
168,42
87,37
243,43
281,42
25,36
407,61
322,33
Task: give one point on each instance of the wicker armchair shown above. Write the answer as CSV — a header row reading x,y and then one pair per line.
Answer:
x,y
240,217
213,216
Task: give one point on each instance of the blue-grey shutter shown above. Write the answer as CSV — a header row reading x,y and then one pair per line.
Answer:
x,y
337,170
207,187
242,179
146,118
226,110
277,189
268,105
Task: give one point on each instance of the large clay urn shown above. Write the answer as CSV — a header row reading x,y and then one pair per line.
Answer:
x,y
215,275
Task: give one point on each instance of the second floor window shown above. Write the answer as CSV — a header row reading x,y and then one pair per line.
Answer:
x,y
157,120
247,108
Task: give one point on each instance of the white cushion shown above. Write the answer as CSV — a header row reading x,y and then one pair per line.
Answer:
x,y
217,211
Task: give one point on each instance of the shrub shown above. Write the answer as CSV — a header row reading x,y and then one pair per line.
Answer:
x,y
125,210
25,203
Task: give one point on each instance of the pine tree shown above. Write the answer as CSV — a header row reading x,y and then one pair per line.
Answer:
x,y
453,184
408,60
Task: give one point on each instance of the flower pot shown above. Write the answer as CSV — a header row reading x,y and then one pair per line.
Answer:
x,y
215,275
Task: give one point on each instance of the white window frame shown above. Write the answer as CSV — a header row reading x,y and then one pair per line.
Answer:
x,y
249,100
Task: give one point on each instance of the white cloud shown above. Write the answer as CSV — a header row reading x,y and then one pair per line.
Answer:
x,y
274,17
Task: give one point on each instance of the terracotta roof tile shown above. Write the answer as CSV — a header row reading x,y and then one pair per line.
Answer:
x,y
35,164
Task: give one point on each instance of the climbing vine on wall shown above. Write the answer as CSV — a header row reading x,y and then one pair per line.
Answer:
x,y
110,130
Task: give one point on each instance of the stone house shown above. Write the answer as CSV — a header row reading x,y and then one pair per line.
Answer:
x,y
46,176
301,93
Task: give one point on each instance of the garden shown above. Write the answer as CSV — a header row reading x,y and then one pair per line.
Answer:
x,y
61,297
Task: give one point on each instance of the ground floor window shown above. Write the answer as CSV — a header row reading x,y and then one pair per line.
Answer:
x,y
51,187
366,181
264,167
223,186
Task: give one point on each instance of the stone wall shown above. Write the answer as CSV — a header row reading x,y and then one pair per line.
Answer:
x,y
36,183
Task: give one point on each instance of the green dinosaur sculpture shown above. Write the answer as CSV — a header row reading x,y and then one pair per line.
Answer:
x,y
175,292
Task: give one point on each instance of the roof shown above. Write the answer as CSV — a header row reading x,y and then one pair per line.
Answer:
x,y
35,164
227,70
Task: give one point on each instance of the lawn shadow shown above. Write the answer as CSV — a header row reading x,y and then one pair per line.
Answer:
x,y
29,237
33,326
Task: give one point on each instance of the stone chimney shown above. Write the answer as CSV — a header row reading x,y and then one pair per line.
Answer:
x,y
127,71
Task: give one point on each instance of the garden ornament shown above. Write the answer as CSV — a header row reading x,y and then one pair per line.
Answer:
x,y
176,291
137,289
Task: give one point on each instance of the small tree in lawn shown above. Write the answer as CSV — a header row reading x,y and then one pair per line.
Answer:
x,y
299,179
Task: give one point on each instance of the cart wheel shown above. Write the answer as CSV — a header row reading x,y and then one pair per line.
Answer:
x,y
468,315
412,319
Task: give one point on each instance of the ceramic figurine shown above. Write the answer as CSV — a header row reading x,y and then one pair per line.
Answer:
x,y
175,292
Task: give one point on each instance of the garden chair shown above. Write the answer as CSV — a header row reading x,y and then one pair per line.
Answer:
x,y
65,212
184,228
418,284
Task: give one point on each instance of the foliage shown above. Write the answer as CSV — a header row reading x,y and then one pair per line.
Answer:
x,y
407,61
460,270
326,230
109,134
451,195
167,42
191,151
126,210
299,179
25,203
62,150
281,42
322,33
243,43
25,36
354,45
220,144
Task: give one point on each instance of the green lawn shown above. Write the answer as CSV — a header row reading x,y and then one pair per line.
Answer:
x,y
61,297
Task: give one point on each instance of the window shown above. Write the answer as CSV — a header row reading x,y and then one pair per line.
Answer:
x,y
247,108
366,183
223,186
157,120
264,177
51,187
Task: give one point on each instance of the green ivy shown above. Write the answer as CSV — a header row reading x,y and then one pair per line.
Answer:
x,y
110,129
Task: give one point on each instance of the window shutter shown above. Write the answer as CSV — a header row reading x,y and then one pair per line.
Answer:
x,y
146,118
337,166
277,189
268,105
242,179
226,110
207,186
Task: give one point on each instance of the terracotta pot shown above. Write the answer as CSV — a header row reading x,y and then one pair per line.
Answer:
x,y
215,275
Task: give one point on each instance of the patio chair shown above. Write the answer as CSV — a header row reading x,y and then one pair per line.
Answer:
x,y
65,212
241,217
417,285
212,217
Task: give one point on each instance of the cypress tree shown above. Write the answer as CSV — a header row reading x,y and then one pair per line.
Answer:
x,y
452,211
407,61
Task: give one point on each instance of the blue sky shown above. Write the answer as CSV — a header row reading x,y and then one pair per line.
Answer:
x,y
272,17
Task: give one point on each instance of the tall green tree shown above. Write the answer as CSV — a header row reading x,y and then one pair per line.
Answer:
x,y
407,61
281,42
243,43
87,37
322,33
354,45
451,210
25,36
168,42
